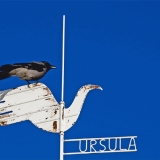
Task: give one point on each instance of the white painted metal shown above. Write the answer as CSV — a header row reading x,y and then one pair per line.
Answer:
x,y
62,125
61,145
72,113
38,105
99,152
63,49
90,144
62,104
83,139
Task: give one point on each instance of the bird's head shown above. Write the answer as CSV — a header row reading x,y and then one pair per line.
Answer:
x,y
48,65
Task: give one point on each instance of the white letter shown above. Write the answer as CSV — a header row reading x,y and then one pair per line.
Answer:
x,y
102,145
91,145
109,146
120,145
80,146
130,144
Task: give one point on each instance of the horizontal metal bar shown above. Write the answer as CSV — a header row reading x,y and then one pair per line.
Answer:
x,y
72,153
68,140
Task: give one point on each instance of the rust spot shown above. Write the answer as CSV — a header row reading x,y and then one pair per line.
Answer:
x,y
6,115
63,113
3,123
90,87
55,112
48,91
84,88
94,87
61,133
35,84
55,126
51,99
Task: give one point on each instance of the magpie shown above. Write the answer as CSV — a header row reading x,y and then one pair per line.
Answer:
x,y
32,71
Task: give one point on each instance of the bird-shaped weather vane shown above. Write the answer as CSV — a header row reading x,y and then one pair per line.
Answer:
x,y
44,111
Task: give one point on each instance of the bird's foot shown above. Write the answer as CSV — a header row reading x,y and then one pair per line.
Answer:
x,y
29,86
36,84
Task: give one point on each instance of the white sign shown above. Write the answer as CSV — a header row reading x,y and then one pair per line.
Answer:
x,y
104,145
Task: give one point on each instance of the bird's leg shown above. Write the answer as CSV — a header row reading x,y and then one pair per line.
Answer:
x,y
28,83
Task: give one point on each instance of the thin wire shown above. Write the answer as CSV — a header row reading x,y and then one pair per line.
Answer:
x,y
63,47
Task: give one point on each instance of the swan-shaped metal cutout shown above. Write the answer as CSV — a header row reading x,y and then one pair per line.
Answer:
x,y
38,105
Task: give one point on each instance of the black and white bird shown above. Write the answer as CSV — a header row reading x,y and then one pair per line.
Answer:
x,y
32,71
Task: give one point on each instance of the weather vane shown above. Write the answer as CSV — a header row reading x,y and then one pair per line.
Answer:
x,y
47,114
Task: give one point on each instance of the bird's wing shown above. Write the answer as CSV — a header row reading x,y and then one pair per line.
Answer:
x,y
33,66
7,67
39,66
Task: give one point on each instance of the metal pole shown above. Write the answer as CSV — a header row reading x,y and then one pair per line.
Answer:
x,y
62,130
63,46
62,104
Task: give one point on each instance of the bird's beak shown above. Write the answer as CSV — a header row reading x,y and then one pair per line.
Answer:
x,y
53,67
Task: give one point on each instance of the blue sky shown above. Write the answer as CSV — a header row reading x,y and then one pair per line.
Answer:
x,y
114,44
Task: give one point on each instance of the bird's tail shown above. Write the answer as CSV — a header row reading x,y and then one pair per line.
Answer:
x,y
4,75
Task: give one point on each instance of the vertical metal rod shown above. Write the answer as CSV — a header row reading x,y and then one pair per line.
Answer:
x,y
62,104
63,46
62,130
